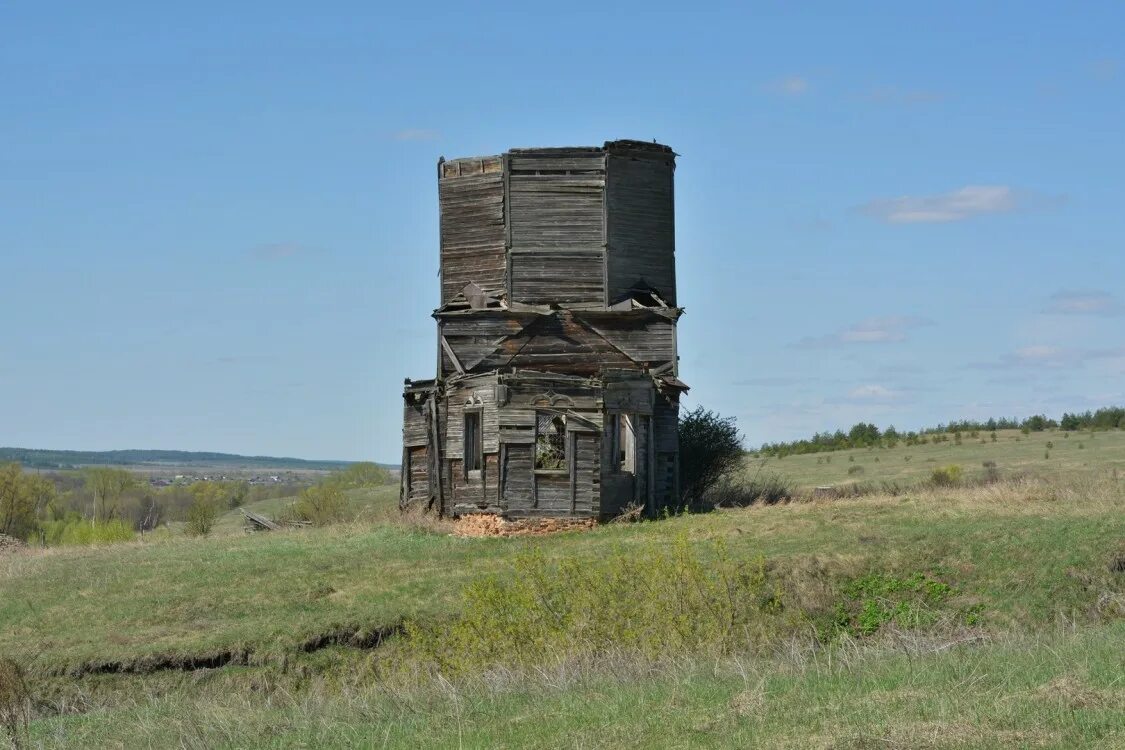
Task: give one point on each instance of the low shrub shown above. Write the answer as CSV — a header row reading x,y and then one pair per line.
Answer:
x,y
75,530
764,489
321,504
201,516
946,476
855,470
653,600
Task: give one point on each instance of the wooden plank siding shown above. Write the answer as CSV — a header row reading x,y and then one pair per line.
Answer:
x,y
644,336
640,226
472,230
417,471
556,228
516,476
477,393
559,246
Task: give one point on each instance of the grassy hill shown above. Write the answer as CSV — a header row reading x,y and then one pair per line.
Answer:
x,y
289,639
1072,456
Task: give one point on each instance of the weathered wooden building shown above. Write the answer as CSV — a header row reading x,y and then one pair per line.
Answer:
x,y
557,384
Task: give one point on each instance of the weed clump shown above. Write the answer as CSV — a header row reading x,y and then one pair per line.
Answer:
x,y
762,489
75,530
876,600
651,601
15,702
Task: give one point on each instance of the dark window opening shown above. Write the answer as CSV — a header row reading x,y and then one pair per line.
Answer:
x,y
624,442
474,441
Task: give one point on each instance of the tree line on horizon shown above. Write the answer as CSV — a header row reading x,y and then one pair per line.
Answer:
x,y
868,435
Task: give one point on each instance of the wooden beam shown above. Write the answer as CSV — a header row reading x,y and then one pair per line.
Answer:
x,y
452,357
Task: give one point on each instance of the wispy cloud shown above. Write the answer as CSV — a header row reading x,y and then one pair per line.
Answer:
x,y
1090,302
1042,356
903,97
416,134
956,205
881,330
791,85
874,393
279,250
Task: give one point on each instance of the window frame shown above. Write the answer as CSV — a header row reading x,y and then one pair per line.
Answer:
x,y
567,449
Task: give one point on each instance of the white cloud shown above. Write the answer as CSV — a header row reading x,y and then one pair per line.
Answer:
x,y
417,134
1082,303
874,392
956,205
792,85
879,330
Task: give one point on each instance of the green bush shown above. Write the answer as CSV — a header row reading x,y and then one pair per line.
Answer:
x,y
321,504
201,515
363,474
653,600
854,470
710,448
946,476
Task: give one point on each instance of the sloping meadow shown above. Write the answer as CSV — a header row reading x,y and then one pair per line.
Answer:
x,y
337,616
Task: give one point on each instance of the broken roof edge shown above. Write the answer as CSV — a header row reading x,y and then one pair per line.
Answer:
x,y
620,146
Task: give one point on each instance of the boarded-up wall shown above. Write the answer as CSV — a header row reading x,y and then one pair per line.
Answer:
x,y
471,195
558,343
516,475
417,472
645,337
557,228
640,225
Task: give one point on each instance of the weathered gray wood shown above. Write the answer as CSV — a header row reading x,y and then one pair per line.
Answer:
x,y
640,230
557,288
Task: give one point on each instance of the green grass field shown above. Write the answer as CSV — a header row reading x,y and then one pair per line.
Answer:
x,y
109,635
1073,455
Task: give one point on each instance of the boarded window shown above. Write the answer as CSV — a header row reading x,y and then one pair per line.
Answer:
x,y
550,442
474,442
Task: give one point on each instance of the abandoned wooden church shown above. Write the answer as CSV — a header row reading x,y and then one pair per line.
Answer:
x,y
557,384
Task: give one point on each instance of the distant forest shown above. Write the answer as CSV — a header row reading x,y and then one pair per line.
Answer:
x,y
49,459
865,435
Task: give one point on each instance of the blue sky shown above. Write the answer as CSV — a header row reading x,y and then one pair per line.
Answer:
x,y
218,221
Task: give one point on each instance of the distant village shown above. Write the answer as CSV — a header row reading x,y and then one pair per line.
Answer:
x,y
282,478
